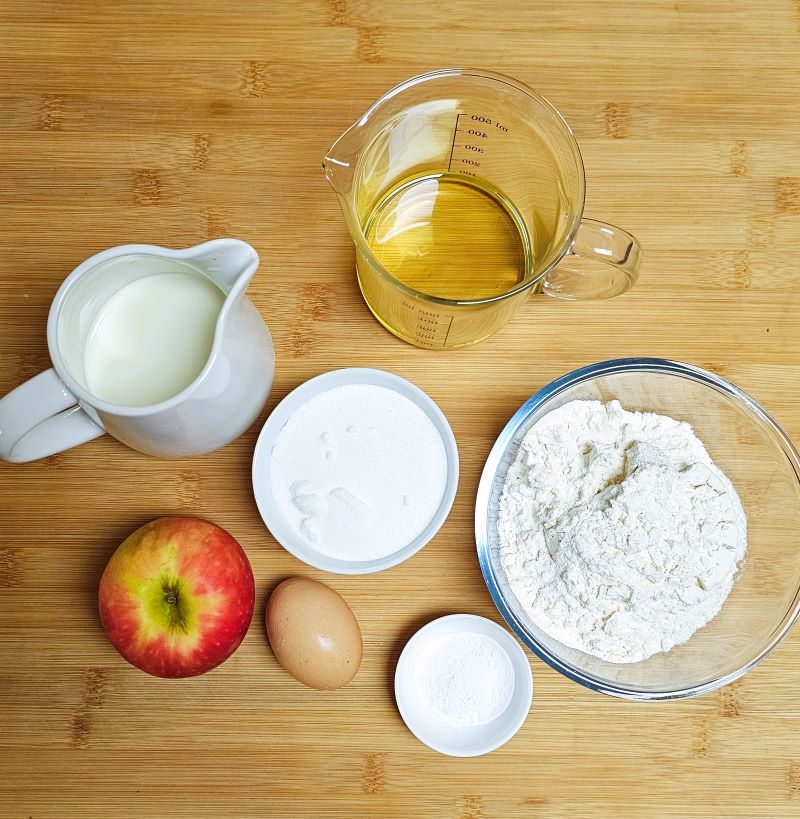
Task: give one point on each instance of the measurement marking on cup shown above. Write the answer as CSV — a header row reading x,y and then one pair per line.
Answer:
x,y
479,128
427,326
447,334
489,121
453,145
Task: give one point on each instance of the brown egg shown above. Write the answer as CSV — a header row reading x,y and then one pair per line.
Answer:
x,y
313,633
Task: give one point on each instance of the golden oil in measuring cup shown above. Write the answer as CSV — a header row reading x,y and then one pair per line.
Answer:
x,y
447,235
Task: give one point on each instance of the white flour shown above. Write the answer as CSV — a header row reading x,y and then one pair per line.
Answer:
x,y
465,678
618,534
358,471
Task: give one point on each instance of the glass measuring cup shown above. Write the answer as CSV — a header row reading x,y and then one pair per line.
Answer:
x,y
496,137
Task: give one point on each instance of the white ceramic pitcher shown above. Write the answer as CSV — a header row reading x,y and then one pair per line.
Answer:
x,y
55,410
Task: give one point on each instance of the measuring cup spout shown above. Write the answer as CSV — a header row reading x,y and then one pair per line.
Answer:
x,y
340,161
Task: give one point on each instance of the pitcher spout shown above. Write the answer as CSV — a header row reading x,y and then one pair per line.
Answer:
x,y
229,263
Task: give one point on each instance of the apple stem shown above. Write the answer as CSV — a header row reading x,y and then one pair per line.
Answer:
x,y
172,599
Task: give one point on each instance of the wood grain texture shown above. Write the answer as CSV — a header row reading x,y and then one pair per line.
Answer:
x,y
175,122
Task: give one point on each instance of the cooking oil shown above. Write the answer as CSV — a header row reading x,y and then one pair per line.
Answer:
x,y
450,236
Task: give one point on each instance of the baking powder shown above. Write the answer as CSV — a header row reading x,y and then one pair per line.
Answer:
x,y
465,678
618,534
358,471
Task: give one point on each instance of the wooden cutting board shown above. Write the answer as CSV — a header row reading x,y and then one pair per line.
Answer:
x,y
175,122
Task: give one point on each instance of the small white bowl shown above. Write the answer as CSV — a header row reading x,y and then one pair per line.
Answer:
x,y
470,741
275,520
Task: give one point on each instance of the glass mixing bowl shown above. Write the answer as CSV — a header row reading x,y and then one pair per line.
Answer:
x,y
760,460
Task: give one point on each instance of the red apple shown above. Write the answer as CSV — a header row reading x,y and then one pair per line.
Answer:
x,y
177,596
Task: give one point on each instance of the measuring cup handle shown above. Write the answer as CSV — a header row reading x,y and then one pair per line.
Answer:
x,y
578,276
41,417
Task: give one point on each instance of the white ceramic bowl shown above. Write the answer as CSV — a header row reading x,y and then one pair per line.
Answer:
x,y
271,513
466,741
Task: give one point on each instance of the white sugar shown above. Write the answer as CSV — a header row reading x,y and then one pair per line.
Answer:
x,y
358,471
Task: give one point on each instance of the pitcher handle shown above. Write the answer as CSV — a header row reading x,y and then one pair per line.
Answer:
x,y
41,417
578,276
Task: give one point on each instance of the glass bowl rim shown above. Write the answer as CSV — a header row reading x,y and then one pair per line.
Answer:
x,y
535,402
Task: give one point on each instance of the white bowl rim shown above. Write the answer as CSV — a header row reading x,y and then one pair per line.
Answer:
x,y
269,512
493,461
523,683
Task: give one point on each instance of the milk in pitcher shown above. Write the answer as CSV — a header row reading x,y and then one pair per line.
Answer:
x,y
152,338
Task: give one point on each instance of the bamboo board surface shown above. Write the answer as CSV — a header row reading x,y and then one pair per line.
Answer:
x,y
174,122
